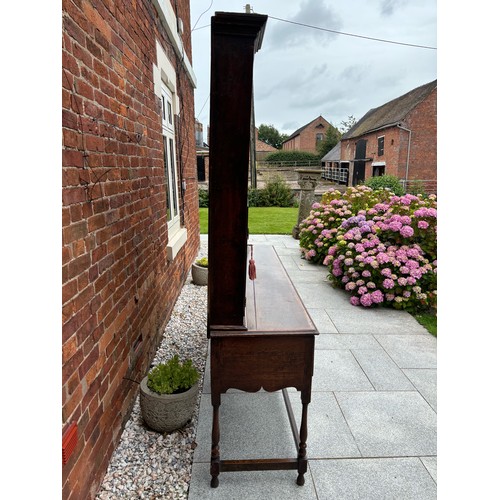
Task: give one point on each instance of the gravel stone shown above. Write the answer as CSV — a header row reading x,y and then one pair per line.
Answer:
x,y
147,464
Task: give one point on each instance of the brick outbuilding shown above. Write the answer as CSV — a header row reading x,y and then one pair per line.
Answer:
x,y
130,211
307,137
398,138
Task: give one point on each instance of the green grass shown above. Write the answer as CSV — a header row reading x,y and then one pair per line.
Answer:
x,y
262,220
429,321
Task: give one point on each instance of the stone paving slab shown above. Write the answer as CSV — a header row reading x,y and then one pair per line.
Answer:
x,y
372,479
338,370
329,435
430,464
425,381
321,320
258,485
346,341
374,321
382,372
389,424
410,351
321,294
253,425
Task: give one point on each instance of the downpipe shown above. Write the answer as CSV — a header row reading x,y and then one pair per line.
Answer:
x,y
408,153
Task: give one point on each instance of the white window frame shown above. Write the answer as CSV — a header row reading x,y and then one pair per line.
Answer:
x,y
165,87
171,177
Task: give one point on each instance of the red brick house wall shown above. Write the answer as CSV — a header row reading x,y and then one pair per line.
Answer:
x,y
119,287
305,138
422,163
422,121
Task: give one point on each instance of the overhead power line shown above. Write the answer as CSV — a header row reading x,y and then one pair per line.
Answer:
x,y
352,34
342,33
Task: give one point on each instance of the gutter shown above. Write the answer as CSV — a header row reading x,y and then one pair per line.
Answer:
x,y
408,153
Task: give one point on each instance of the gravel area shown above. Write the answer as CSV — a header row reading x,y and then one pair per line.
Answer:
x,y
147,464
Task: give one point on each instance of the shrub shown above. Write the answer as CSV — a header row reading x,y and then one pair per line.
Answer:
x,y
254,198
277,193
203,198
172,377
380,247
298,156
386,181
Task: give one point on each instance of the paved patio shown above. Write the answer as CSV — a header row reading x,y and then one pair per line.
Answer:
x,y
372,418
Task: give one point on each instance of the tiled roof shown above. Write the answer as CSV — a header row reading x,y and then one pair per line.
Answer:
x,y
263,146
333,154
391,112
299,130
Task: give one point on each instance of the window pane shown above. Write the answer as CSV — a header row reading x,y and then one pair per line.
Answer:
x,y
167,177
174,179
380,146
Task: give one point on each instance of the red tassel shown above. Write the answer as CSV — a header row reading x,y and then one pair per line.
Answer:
x,y
252,270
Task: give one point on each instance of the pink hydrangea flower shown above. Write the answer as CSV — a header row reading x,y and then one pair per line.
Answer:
x,y
406,231
388,283
386,272
366,300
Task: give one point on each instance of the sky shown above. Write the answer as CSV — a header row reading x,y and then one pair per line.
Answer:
x,y
301,72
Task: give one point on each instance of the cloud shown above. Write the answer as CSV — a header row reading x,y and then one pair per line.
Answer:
x,y
312,12
387,7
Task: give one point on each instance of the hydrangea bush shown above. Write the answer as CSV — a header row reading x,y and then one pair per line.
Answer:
x,y
380,247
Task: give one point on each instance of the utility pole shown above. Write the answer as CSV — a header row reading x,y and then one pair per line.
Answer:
x,y
253,164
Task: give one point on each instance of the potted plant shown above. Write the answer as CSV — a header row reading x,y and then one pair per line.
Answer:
x,y
199,271
168,394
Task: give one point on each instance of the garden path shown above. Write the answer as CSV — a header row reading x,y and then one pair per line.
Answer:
x,y
372,418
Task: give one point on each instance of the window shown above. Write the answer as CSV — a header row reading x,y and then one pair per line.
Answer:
x,y
380,141
319,138
165,88
169,161
378,168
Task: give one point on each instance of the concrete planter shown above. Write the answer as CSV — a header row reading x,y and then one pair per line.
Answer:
x,y
166,412
199,275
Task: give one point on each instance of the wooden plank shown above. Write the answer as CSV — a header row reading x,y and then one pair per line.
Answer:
x,y
273,304
259,464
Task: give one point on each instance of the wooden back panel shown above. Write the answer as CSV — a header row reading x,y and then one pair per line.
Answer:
x,y
235,39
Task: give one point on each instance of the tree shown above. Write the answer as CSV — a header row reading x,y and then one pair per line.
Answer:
x,y
270,135
332,137
346,125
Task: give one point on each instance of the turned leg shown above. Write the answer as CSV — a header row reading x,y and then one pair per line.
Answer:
x,y
215,455
302,460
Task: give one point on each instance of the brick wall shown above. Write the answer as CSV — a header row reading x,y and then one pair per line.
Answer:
x,y
118,286
422,121
306,140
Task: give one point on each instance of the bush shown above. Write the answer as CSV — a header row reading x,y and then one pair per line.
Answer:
x,y
203,198
277,193
172,377
380,247
386,181
299,156
254,198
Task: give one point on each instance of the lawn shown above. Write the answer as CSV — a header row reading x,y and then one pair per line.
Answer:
x,y
262,220
428,321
